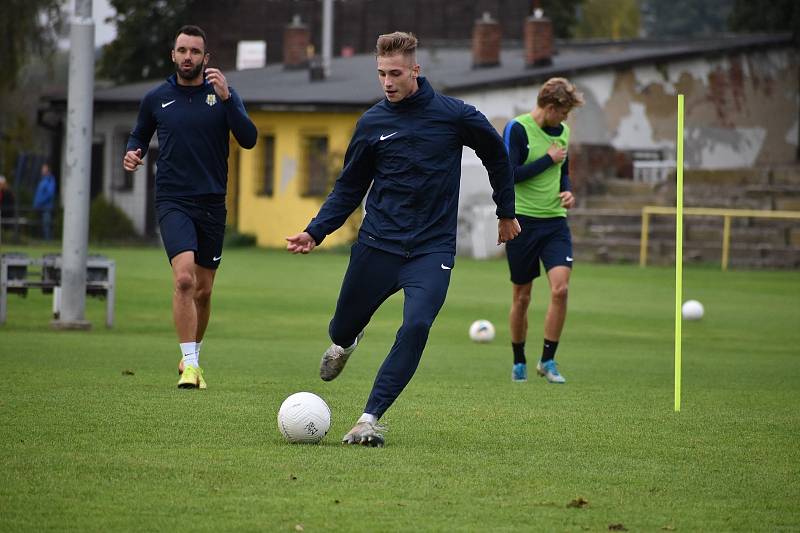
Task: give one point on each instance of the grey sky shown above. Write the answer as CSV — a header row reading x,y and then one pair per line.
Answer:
x,y
101,10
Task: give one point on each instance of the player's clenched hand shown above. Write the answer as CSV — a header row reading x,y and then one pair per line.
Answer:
x,y
557,153
132,160
217,80
567,199
507,229
302,243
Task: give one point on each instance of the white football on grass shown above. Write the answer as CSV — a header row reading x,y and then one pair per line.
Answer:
x,y
692,310
304,417
481,331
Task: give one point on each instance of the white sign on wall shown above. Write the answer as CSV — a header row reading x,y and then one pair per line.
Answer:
x,y
251,54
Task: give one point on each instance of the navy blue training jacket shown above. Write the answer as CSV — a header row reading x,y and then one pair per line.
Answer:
x,y
193,125
410,152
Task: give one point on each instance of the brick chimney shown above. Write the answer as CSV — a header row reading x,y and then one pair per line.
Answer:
x,y
296,39
538,40
486,36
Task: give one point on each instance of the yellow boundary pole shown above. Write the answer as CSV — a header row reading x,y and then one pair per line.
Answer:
x,y
678,254
643,240
726,241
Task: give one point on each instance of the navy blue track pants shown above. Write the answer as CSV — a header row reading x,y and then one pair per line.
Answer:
x,y
372,276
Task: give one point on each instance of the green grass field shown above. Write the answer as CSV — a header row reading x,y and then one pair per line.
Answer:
x,y
96,437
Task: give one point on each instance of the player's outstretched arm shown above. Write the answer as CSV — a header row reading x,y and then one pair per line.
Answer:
x,y
302,243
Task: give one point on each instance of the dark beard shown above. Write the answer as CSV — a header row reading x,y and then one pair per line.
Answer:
x,y
191,75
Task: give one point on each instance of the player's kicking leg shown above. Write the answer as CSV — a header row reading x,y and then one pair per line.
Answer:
x,y
335,357
371,277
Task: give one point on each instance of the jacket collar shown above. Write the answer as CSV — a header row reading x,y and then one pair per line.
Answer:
x,y
173,80
418,100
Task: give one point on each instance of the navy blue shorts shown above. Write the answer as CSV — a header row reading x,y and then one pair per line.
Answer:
x,y
542,239
193,223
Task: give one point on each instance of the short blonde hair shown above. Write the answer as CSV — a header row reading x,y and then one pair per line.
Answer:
x,y
559,92
398,42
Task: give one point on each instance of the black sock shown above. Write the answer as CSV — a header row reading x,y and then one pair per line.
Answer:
x,y
519,352
549,350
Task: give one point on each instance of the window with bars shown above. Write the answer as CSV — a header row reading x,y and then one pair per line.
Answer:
x,y
316,165
265,183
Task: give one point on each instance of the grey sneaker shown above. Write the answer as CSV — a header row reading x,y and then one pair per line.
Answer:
x,y
549,371
334,359
365,433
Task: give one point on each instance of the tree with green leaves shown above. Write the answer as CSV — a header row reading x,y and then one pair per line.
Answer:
x,y
28,29
145,35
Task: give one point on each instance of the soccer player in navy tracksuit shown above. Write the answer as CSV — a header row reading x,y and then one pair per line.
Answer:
x,y
193,112
408,148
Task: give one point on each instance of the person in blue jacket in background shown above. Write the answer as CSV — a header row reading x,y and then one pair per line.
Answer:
x,y
408,149
44,200
194,112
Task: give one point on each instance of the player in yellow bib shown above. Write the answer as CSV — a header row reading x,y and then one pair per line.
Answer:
x,y
537,147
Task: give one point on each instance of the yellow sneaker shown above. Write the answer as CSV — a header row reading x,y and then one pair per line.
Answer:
x,y
192,378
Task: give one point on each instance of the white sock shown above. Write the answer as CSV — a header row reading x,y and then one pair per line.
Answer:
x,y
352,347
197,350
189,351
366,417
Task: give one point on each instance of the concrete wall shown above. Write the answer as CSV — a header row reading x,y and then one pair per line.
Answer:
x,y
741,110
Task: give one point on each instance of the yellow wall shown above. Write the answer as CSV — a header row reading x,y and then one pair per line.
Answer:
x,y
232,196
272,218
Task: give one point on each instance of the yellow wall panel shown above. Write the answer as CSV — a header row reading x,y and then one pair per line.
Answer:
x,y
272,218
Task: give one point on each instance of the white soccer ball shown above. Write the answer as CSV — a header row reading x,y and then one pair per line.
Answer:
x,y
481,331
692,310
304,417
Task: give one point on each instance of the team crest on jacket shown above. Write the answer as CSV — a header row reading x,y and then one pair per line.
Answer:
x,y
211,99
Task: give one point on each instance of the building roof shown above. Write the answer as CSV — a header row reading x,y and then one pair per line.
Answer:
x,y
353,81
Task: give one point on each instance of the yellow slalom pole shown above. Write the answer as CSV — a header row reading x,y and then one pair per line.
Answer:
x,y
678,254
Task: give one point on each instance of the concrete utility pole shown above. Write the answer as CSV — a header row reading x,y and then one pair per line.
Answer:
x,y
327,36
77,176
